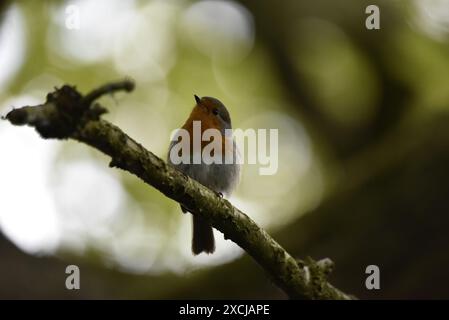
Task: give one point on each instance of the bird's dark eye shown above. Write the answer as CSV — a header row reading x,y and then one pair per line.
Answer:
x,y
215,111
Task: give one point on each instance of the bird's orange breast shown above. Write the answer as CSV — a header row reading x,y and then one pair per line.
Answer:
x,y
208,121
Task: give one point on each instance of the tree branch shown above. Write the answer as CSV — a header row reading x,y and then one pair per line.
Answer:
x,y
67,114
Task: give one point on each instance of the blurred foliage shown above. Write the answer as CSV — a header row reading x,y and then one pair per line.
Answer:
x,y
351,106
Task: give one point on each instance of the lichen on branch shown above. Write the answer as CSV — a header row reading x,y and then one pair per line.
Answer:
x,y
66,114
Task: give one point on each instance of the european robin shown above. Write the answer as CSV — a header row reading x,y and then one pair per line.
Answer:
x,y
219,176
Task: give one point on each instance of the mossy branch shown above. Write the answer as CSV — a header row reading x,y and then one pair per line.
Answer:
x,y
68,114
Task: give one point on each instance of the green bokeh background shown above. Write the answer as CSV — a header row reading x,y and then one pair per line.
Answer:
x,y
363,143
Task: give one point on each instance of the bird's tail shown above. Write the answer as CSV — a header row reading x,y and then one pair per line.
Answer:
x,y
203,236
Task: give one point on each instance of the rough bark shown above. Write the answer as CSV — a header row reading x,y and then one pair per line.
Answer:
x,y
68,114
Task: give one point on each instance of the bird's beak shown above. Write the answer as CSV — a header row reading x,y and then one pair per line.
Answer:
x,y
197,99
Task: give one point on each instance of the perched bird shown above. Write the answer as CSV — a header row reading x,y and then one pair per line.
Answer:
x,y
220,177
